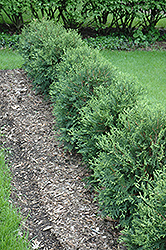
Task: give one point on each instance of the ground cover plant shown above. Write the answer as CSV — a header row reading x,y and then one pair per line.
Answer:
x,y
120,41
11,236
8,40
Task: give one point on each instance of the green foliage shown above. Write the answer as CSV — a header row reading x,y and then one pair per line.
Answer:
x,y
66,11
14,9
123,12
125,15
148,230
137,40
9,218
114,42
43,8
81,70
41,45
8,41
127,156
102,112
150,12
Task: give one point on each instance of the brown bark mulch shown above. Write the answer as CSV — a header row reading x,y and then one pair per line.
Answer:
x,y
47,183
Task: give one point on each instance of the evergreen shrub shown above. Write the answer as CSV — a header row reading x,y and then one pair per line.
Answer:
x,y
42,43
81,70
102,112
148,230
127,156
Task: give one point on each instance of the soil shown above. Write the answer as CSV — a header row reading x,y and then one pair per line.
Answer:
x,y
59,212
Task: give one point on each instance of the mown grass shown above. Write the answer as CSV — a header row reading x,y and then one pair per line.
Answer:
x,y
10,59
148,66
161,23
11,236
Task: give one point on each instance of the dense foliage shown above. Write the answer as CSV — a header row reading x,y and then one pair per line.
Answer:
x,y
123,15
127,155
41,44
102,113
14,10
148,230
6,40
80,71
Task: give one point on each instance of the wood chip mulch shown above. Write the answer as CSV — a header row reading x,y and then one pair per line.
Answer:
x,y
47,183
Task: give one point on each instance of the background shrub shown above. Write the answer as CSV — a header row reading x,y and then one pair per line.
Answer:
x,y
68,12
41,45
14,10
124,15
148,230
81,70
127,156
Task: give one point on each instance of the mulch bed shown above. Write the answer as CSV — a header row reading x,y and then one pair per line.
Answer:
x,y
47,182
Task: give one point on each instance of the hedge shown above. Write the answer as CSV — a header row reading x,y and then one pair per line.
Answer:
x,y
41,44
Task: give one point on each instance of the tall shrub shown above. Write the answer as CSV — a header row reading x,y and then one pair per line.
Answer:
x,y
66,11
127,156
42,43
43,8
148,229
150,12
102,113
81,70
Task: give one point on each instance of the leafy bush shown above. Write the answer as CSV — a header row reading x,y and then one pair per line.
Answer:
x,y
150,12
67,11
14,10
127,156
41,45
81,70
102,113
124,15
148,230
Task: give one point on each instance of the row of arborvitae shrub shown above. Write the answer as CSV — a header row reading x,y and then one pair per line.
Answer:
x,y
103,114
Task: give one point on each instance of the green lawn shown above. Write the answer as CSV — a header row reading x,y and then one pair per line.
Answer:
x,y
148,66
10,59
10,220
